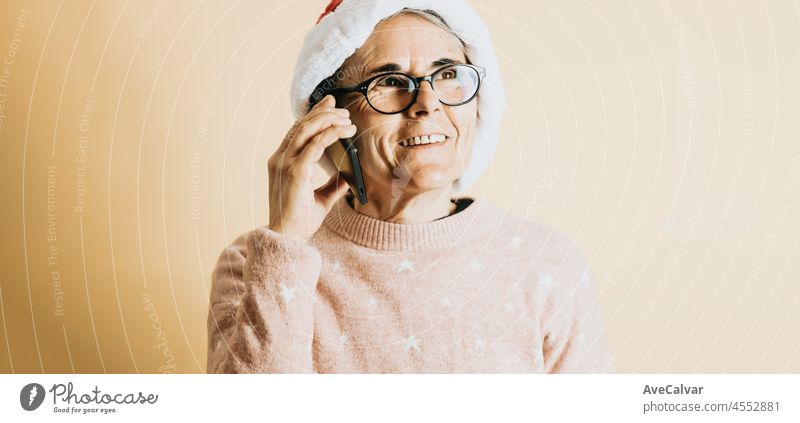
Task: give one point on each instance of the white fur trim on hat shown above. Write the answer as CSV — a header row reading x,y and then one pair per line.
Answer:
x,y
341,32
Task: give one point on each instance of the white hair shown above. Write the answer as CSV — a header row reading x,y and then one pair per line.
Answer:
x,y
427,14
431,16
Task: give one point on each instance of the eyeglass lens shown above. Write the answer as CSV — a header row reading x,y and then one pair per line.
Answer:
x,y
453,85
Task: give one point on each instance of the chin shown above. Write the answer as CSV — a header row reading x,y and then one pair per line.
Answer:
x,y
426,181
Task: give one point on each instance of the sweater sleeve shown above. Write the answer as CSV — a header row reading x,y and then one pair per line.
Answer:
x,y
260,317
573,325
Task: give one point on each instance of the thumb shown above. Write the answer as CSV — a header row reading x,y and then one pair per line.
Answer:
x,y
333,190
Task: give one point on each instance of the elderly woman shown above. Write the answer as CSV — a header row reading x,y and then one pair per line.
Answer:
x,y
398,273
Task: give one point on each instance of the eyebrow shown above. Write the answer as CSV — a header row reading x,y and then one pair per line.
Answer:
x,y
394,67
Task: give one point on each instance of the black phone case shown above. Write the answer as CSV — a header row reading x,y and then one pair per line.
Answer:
x,y
345,156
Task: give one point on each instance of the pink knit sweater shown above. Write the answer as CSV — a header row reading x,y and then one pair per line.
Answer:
x,y
478,291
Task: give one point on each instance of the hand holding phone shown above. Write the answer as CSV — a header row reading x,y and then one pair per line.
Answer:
x,y
296,209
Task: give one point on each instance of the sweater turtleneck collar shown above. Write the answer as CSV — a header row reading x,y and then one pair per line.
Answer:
x,y
450,230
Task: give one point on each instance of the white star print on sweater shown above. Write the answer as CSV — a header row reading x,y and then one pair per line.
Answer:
x,y
477,291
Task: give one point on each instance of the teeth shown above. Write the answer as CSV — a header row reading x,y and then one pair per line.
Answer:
x,y
425,139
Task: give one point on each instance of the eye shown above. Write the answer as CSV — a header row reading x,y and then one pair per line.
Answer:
x,y
448,74
392,81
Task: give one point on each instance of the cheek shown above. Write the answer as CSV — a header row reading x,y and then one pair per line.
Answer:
x,y
376,135
464,119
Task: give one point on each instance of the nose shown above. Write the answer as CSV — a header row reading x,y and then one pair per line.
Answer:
x,y
427,100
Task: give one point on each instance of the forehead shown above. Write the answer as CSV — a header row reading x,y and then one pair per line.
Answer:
x,y
407,40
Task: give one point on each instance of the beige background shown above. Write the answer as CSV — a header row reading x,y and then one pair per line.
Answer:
x,y
672,127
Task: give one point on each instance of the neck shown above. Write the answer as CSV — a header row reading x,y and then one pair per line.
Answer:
x,y
407,208
365,231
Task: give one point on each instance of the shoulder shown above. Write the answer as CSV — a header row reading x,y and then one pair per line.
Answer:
x,y
541,239
549,253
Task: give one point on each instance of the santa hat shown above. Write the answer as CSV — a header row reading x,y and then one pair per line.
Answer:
x,y
344,27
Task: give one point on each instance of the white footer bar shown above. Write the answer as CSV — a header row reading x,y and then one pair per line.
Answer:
x,y
401,398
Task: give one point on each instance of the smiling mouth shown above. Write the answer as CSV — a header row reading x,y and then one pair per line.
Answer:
x,y
422,140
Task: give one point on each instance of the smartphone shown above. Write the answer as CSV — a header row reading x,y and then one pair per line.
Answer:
x,y
345,156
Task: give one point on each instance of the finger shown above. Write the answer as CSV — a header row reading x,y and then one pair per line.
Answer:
x,y
302,130
326,101
315,148
327,104
289,136
313,127
334,189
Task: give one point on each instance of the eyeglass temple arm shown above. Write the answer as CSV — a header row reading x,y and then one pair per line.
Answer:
x,y
345,90
340,90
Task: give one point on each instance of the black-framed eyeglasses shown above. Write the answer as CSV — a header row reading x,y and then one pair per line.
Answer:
x,y
395,92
